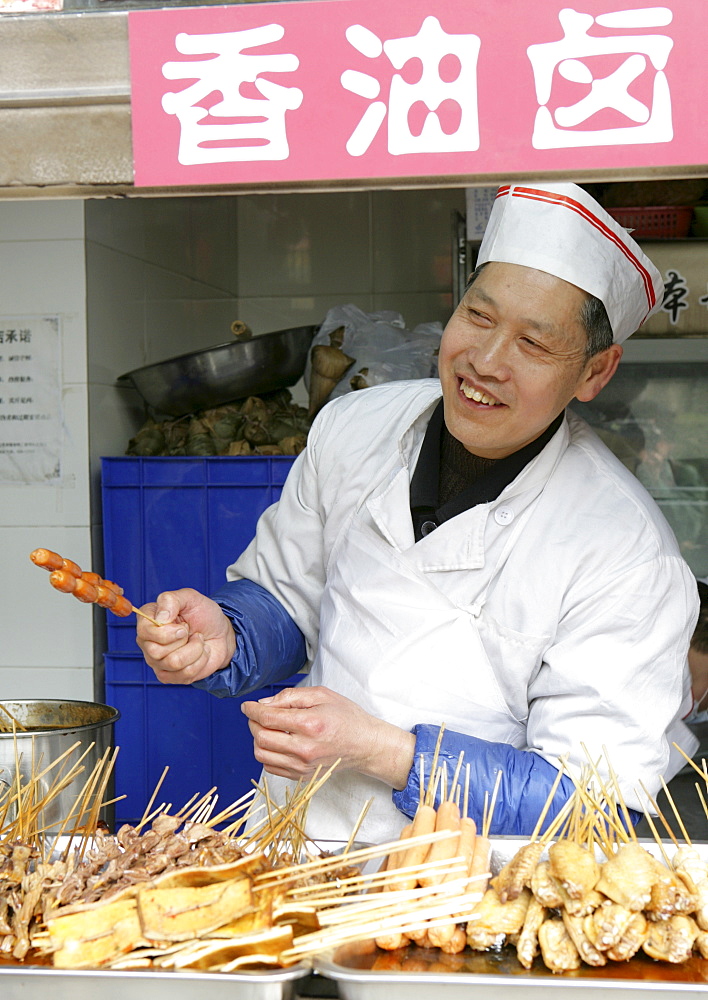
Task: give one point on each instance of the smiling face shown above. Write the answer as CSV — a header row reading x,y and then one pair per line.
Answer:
x,y
513,356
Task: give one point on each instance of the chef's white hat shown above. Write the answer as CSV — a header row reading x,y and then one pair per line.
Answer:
x,y
560,229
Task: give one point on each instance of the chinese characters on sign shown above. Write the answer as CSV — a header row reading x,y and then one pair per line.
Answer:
x,y
259,132
675,295
315,90
572,59
431,46
30,400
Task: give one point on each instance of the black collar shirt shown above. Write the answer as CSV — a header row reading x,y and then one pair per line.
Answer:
x,y
449,480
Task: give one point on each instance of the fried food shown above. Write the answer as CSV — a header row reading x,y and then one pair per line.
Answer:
x,y
527,942
689,865
557,949
606,924
670,894
544,886
574,867
671,940
628,876
631,940
494,919
517,873
586,949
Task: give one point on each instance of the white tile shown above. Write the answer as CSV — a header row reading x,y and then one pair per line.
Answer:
x,y
264,315
412,239
304,244
115,315
50,219
171,330
42,277
115,416
213,318
213,241
162,283
167,233
49,629
29,683
128,227
98,220
73,347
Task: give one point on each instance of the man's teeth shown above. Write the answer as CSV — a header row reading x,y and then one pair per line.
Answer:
x,y
477,396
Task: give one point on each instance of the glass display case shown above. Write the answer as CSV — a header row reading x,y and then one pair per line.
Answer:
x,y
654,417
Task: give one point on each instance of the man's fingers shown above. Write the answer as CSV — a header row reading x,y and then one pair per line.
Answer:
x,y
181,662
271,717
294,697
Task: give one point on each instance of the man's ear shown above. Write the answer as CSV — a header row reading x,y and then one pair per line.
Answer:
x,y
598,372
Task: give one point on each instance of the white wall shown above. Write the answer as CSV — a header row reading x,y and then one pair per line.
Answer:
x,y
46,650
139,280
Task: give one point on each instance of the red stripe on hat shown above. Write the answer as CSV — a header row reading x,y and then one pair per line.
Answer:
x,y
563,201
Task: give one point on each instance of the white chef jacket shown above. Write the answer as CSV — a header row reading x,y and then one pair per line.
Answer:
x,y
581,598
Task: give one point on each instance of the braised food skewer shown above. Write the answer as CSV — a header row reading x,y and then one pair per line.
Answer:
x,y
67,577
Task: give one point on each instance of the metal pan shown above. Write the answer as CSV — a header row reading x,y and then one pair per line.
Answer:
x,y
347,967
37,983
217,375
363,972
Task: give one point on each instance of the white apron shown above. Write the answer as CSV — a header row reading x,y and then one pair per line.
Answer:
x,y
394,643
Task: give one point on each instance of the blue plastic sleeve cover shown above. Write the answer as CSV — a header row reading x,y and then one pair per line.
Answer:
x,y
525,784
269,645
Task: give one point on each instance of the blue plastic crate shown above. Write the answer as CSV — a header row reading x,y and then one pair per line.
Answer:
x,y
170,523
204,740
179,522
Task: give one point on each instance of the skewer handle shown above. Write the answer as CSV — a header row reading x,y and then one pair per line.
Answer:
x,y
143,615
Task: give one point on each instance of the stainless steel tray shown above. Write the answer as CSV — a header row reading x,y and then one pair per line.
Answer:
x,y
38,983
414,982
363,972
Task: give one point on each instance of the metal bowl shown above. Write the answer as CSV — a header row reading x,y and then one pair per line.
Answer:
x,y
216,375
53,726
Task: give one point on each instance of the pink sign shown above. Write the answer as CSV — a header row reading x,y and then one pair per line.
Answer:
x,y
347,89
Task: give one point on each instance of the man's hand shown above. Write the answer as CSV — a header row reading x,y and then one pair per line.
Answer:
x,y
195,640
302,728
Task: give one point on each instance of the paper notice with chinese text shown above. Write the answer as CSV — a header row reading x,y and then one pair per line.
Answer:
x,y
30,400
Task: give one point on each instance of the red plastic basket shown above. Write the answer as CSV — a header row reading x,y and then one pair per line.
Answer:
x,y
665,222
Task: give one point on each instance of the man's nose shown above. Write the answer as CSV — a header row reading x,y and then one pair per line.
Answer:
x,y
489,354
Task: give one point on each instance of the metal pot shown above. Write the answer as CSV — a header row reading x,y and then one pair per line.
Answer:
x,y
216,375
53,727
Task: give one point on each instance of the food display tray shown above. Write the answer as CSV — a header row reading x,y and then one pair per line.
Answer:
x,y
347,968
361,971
20,982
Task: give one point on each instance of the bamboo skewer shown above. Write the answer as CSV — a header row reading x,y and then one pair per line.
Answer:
x,y
675,811
321,865
695,767
15,722
152,798
146,617
659,813
701,797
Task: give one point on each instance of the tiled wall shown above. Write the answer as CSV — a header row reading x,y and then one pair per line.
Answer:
x,y
168,275
140,280
46,648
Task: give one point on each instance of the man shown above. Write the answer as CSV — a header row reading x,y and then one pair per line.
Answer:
x,y
479,561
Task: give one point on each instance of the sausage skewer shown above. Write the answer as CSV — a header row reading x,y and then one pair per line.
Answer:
x,y
90,588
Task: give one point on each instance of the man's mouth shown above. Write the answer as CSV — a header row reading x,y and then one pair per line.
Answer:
x,y
478,396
